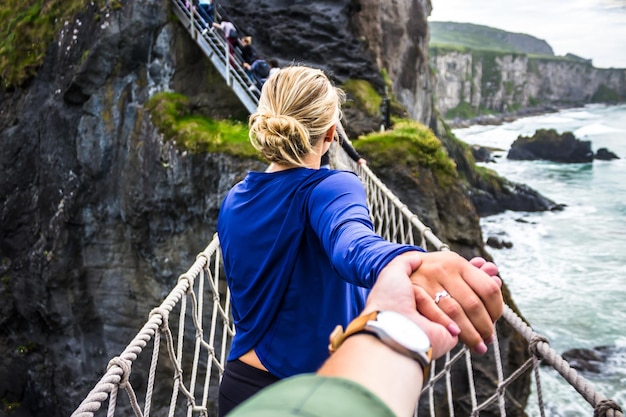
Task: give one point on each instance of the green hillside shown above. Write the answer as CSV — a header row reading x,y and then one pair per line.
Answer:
x,y
477,37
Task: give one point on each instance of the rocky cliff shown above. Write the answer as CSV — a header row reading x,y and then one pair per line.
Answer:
x,y
472,82
349,39
100,215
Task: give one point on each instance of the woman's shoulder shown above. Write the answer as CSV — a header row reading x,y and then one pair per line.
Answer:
x,y
339,181
341,176
303,178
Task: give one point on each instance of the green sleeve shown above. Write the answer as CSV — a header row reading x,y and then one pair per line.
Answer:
x,y
311,396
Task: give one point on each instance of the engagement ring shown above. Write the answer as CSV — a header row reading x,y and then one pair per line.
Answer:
x,y
440,295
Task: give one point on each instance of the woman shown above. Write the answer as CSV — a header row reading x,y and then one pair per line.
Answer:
x,y
300,252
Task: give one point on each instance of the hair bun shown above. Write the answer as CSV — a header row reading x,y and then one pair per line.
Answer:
x,y
280,124
296,109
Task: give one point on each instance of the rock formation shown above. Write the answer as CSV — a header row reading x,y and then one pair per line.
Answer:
x,y
604,154
549,145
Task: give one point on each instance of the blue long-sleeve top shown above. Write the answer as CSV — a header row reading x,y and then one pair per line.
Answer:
x,y
299,254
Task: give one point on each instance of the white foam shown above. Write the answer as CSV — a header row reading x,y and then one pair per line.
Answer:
x,y
594,129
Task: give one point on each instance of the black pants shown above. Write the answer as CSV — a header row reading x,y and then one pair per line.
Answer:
x,y
240,382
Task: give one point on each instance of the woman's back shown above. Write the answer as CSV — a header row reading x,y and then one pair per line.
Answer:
x,y
279,274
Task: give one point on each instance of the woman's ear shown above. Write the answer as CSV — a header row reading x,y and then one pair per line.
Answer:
x,y
330,134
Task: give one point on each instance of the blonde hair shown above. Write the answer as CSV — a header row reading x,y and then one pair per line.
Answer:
x,y
298,106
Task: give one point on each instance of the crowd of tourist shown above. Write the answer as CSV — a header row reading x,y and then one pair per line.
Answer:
x,y
240,47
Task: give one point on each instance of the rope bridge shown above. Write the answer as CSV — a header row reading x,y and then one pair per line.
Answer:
x,y
179,354
193,326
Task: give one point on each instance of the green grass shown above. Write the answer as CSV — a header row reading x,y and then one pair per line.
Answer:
x,y
468,36
447,37
490,178
478,37
365,96
410,144
559,58
171,113
27,27
463,111
605,94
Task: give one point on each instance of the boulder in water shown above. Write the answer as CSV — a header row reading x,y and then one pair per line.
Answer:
x,y
605,155
547,144
497,243
589,360
482,154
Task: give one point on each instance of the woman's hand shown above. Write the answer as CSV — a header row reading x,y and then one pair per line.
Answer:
x,y
469,295
394,291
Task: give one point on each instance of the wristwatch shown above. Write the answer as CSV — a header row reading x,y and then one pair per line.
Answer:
x,y
394,330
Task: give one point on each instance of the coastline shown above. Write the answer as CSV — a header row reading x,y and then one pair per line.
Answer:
x,y
506,117
544,273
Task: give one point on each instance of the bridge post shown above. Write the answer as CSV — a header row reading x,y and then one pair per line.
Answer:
x,y
228,66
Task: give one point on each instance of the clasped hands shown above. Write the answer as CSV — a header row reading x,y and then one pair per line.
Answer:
x,y
470,298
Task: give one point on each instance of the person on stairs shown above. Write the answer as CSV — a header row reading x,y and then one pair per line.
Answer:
x,y
248,52
300,252
258,72
231,35
206,9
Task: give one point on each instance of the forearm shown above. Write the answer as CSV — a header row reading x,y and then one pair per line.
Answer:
x,y
338,213
360,255
352,153
394,378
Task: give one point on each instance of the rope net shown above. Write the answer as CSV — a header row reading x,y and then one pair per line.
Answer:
x,y
179,354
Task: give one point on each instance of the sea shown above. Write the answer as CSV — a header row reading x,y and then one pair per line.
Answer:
x,y
566,269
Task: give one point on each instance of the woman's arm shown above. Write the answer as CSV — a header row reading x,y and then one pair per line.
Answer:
x,y
338,211
347,146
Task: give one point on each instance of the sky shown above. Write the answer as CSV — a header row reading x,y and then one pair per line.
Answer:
x,y
591,29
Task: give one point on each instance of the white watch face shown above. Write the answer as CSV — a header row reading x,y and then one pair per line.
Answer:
x,y
402,330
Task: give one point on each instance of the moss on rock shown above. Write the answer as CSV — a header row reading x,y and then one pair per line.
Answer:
x,y
464,110
606,95
171,113
363,96
27,27
411,144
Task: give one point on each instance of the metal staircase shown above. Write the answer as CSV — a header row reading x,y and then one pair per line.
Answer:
x,y
216,48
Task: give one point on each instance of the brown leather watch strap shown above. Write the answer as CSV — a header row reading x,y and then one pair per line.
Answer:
x,y
358,325
338,336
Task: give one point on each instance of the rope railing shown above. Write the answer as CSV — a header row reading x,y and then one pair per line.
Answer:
x,y
192,375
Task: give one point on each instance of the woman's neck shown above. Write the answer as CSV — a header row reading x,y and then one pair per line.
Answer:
x,y
311,161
